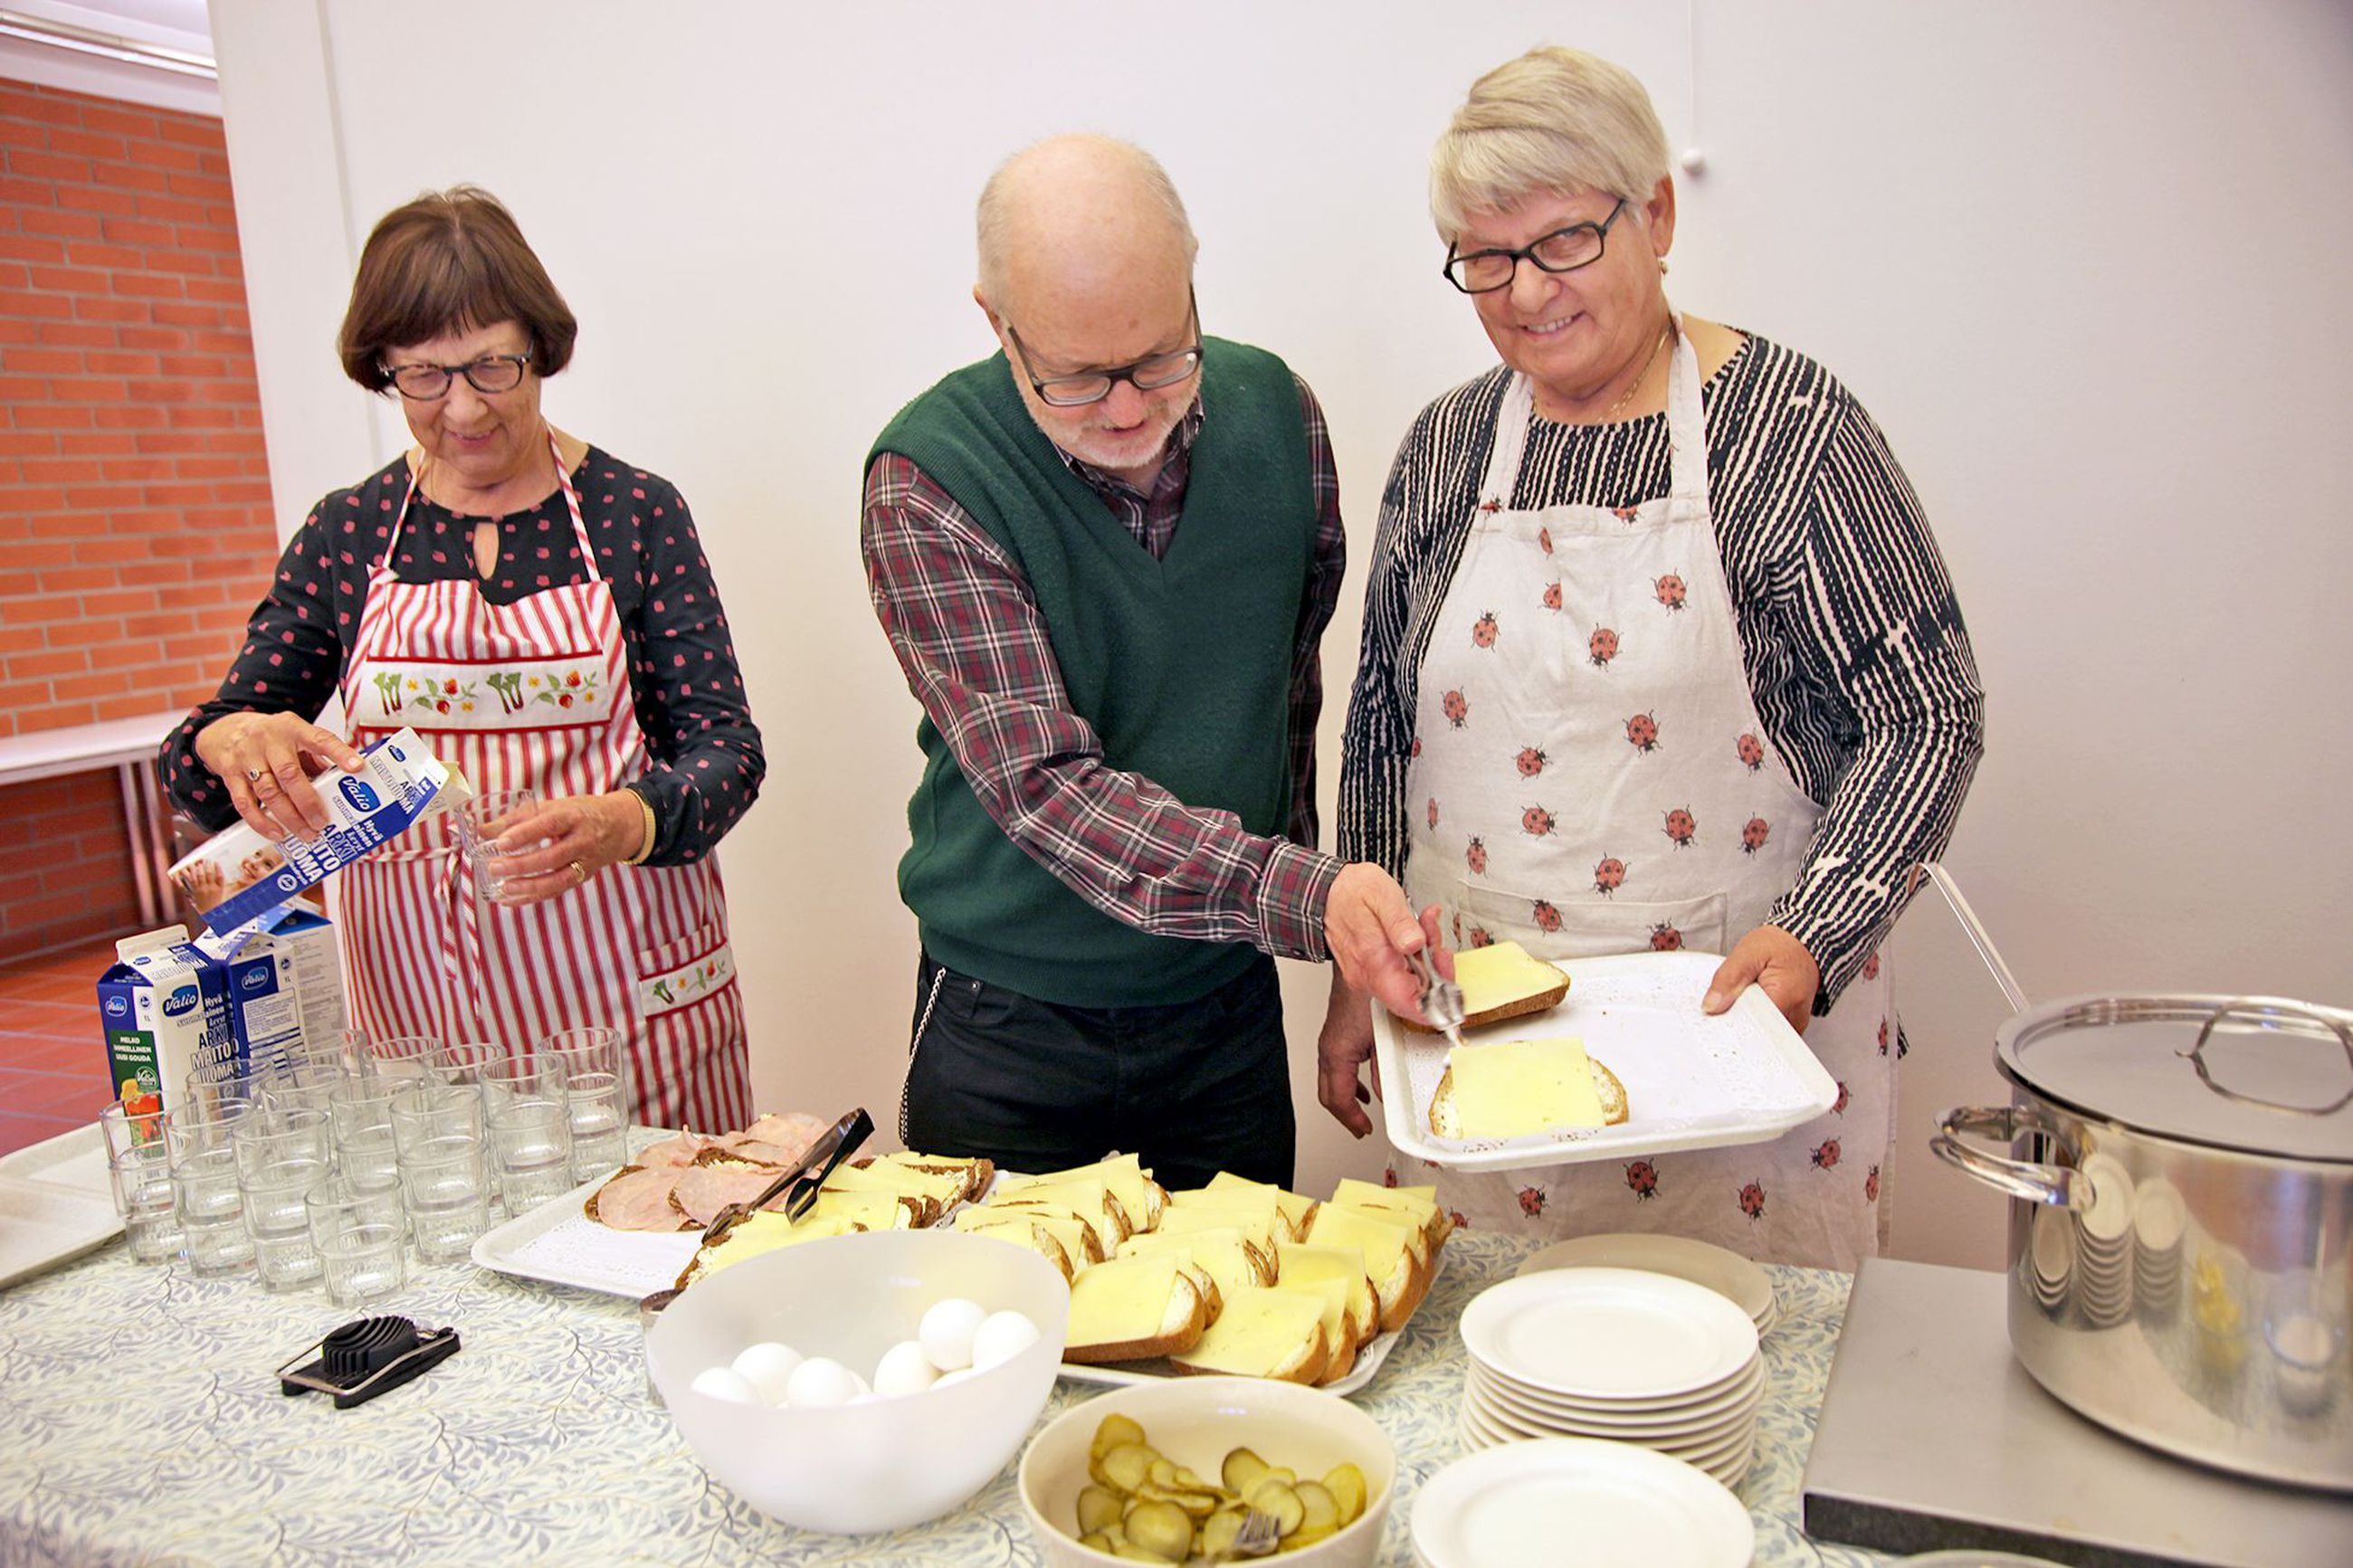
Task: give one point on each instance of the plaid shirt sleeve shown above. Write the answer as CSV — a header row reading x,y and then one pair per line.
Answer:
x,y
968,633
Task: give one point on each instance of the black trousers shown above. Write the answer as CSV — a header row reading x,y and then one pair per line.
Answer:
x,y
1194,1088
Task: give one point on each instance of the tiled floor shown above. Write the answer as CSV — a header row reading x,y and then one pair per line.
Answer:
x,y
52,1056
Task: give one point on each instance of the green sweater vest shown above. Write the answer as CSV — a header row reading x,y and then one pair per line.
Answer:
x,y
1182,666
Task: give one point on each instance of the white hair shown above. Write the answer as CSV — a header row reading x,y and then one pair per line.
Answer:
x,y
993,219
1554,119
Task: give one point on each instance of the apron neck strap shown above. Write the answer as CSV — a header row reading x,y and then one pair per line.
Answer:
x,y
563,483
1686,432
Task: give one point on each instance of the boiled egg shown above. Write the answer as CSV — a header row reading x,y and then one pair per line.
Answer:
x,y
726,1382
947,1329
821,1381
1001,1337
768,1367
905,1368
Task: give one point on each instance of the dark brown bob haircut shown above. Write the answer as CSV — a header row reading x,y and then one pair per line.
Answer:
x,y
450,261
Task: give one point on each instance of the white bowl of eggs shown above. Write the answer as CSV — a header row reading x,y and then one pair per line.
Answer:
x,y
863,1382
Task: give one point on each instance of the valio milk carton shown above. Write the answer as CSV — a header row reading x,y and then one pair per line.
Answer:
x,y
238,875
163,1005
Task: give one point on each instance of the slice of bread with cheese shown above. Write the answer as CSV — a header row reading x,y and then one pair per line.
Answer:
x,y
972,1175
1339,1336
1303,1263
1263,1333
1131,1309
1513,1088
1419,1203
1089,1195
1139,1195
1400,1272
868,1211
933,1193
1297,1208
1030,1233
1100,1237
764,1231
1501,981
1260,1224
1222,1252
1079,1243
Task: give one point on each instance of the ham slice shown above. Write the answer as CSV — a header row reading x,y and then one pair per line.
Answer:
x,y
676,1153
704,1190
639,1199
793,1132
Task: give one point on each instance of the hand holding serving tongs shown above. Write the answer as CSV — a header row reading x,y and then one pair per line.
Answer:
x,y
833,1145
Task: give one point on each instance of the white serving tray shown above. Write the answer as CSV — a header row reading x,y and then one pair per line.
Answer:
x,y
55,1204
1692,1081
558,1244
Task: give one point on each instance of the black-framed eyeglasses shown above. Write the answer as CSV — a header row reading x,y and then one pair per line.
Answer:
x,y
491,372
1093,385
1562,250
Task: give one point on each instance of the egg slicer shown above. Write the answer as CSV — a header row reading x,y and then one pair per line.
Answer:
x,y
365,1358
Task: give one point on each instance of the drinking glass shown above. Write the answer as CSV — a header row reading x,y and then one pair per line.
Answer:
x,y
126,1129
424,1111
142,1178
599,1113
210,1207
530,1148
358,1234
271,1134
482,821
277,1217
405,1057
445,1187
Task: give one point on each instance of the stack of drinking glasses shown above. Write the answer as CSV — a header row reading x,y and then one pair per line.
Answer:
x,y
326,1167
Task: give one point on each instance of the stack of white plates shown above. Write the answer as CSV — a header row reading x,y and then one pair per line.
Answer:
x,y
2160,1221
1618,1354
2104,1245
1702,1263
2050,1256
1567,1499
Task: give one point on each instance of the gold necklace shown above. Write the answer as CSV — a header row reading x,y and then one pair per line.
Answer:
x,y
1641,375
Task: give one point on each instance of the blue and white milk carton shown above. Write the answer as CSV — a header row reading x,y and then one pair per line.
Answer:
x,y
237,874
163,1005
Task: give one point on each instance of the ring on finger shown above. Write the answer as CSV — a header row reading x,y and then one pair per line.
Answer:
x,y
580,870
253,773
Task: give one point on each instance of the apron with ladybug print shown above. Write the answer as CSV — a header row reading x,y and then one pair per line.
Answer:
x,y
1591,777
533,695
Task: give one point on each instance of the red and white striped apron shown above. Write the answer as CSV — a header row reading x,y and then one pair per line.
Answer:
x,y
533,695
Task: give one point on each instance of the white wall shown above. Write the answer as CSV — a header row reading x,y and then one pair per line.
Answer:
x,y
2084,263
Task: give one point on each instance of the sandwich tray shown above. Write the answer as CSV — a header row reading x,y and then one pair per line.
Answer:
x,y
558,1244
55,1204
1692,1081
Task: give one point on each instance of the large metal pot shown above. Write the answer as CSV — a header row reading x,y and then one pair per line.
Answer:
x,y
2180,1253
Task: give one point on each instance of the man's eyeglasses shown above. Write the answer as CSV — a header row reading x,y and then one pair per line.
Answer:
x,y
491,372
1562,250
1094,386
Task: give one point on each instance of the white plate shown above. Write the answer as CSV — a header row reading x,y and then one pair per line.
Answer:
x,y
1708,1433
55,1204
1737,1400
2110,1217
1724,1271
1609,1333
1522,1502
1692,1081
1728,1463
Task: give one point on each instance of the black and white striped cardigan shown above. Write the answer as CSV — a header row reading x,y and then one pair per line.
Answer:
x,y
1850,634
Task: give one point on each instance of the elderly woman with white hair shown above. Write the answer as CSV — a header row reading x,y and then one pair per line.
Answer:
x,y
1658,653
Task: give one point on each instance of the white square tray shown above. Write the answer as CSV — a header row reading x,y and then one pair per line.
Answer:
x,y
1692,1081
55,1204
558,1244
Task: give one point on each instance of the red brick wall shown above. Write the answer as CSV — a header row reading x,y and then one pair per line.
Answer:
x,y
135,524
65,873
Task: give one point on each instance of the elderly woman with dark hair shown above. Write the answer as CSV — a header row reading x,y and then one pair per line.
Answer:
x,y
1657,652
541,613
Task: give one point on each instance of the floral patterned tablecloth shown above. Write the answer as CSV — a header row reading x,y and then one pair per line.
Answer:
x,y
140,1423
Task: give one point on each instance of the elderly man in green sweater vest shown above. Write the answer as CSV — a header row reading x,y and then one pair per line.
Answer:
x,y
1104,557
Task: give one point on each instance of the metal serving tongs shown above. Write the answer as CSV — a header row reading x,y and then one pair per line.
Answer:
x,y
1440,1001
833,1145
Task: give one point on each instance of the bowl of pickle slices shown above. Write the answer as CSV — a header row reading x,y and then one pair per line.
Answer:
x,y
1203,1470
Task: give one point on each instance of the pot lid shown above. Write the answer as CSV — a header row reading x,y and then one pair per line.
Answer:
x,y
2262,1075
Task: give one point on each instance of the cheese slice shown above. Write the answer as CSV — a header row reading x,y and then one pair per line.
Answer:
x,y
1260,1224
1031,1233
1097,1241
764,1231
1130,1307
1263,1333
1301,1263
1339,1328
1222,1252
1393,1260
1079,1240
1418,1204
1497,975
1519,1087
868,1211
1089,1196
1124,1174
1297,1208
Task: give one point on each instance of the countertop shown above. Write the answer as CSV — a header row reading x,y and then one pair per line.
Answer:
x,y
141,1422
